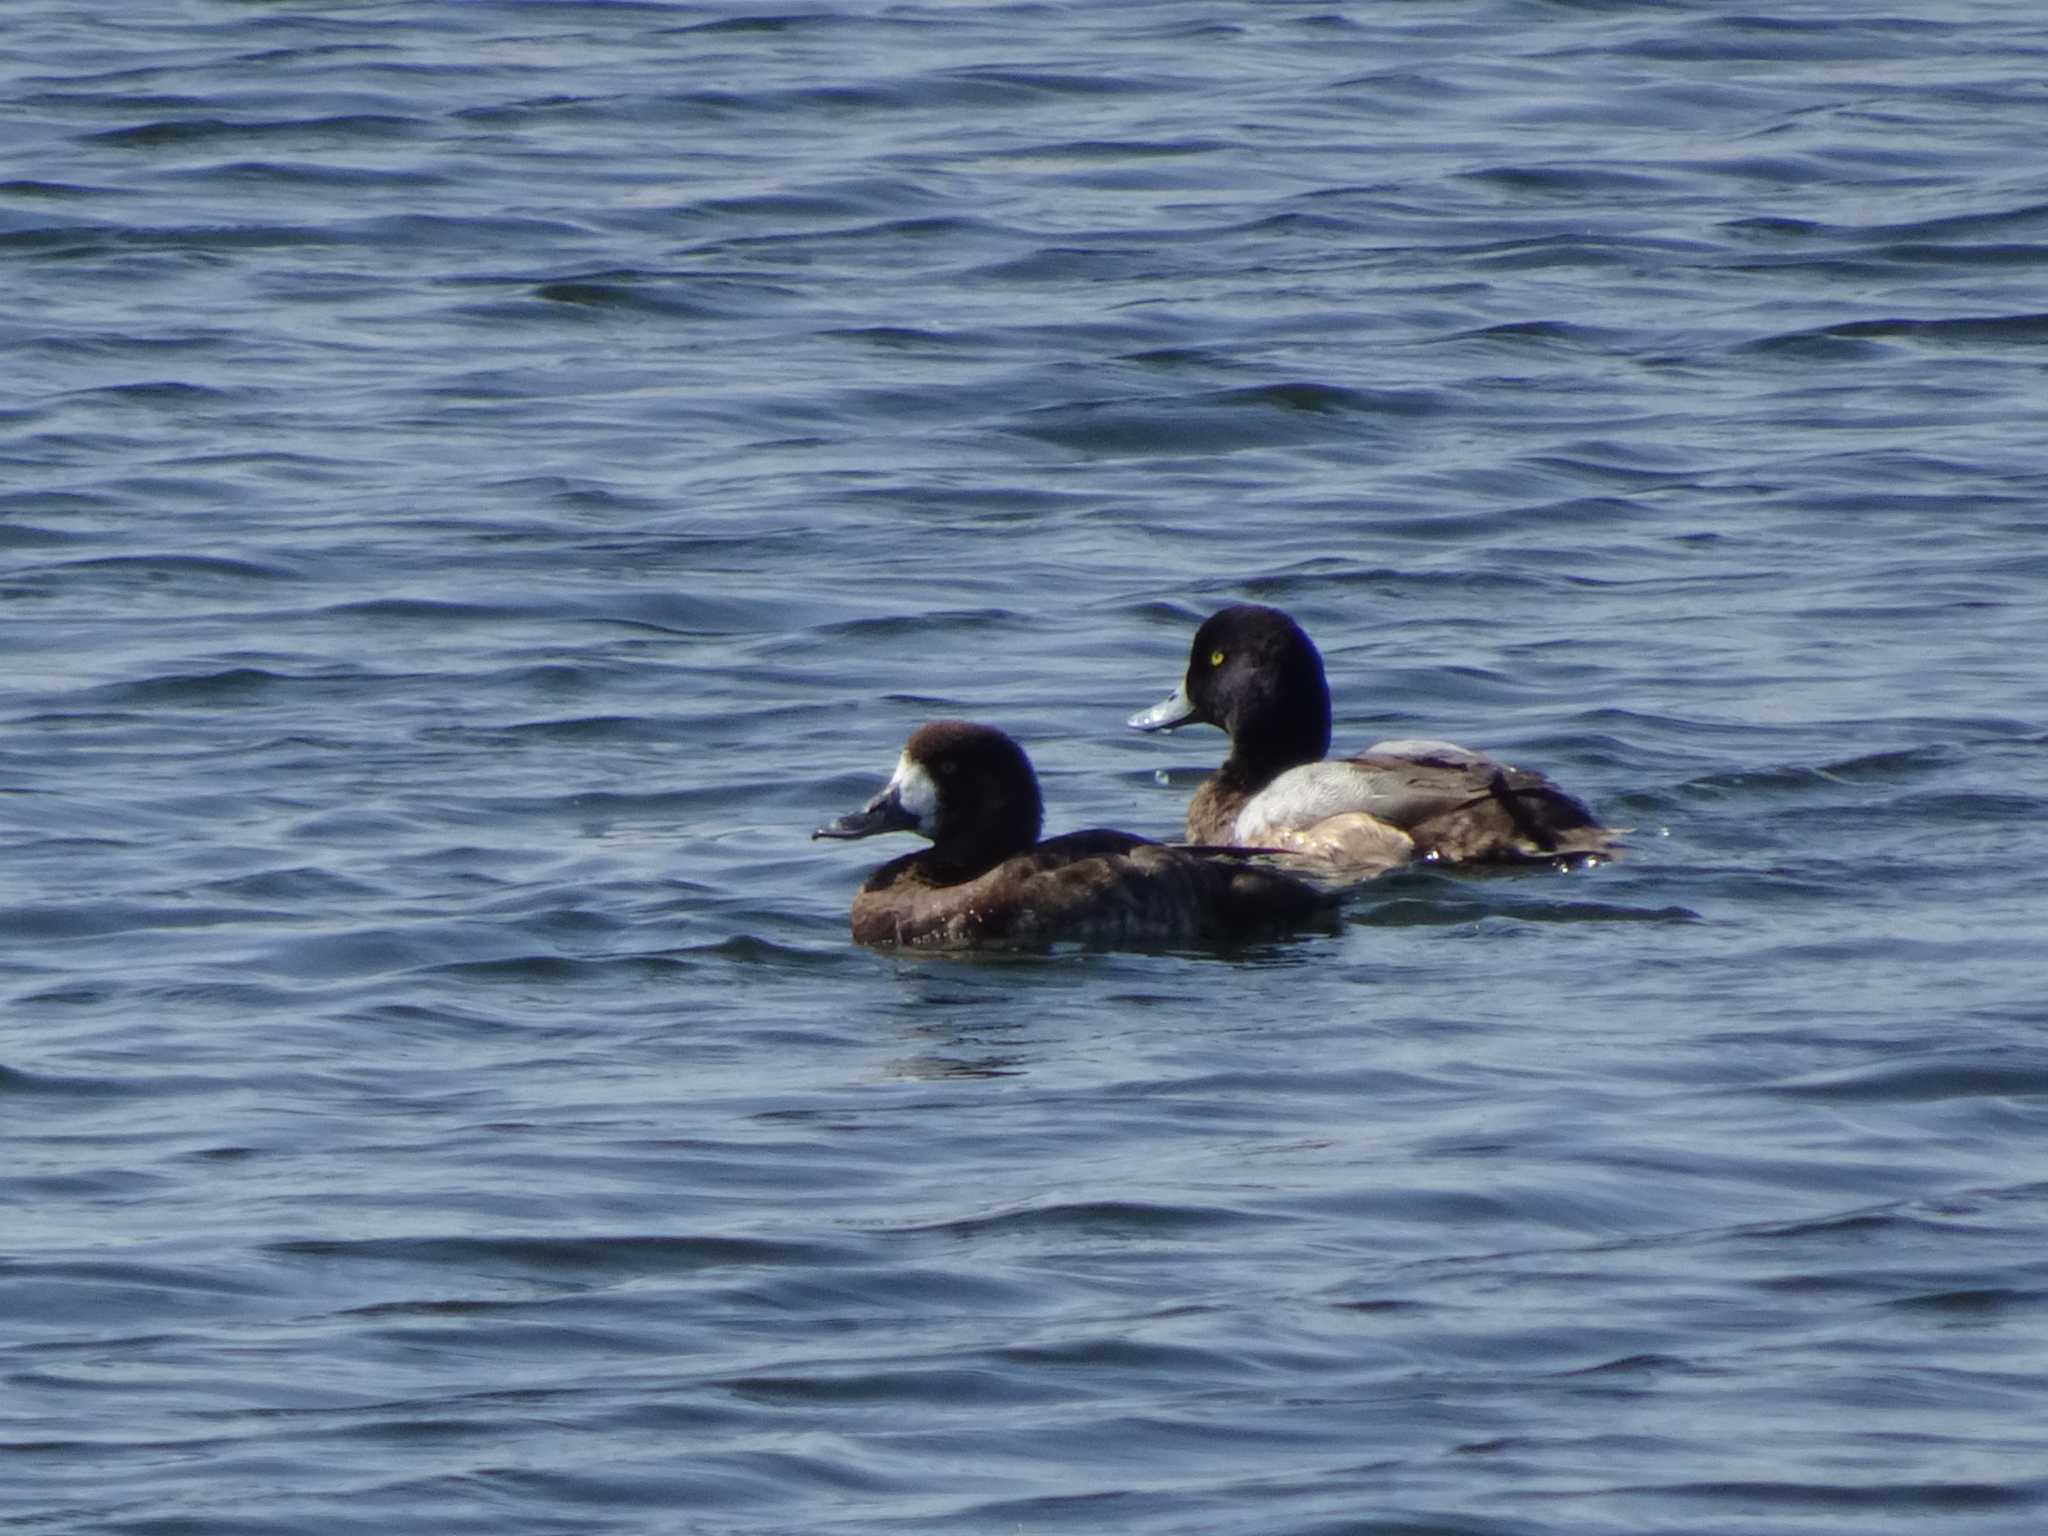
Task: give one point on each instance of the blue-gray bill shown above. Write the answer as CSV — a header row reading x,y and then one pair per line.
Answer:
x,y
884,813
1175,709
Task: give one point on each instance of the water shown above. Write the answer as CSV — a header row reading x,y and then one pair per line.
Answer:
x,y
482,482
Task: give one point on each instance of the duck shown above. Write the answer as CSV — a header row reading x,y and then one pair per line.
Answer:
x,y
987,882
1254,672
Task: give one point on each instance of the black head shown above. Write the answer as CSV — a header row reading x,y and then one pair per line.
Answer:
x,y
969,788
1253,672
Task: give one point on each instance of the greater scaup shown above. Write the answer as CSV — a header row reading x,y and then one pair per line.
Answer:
x,y
987,882
1254,673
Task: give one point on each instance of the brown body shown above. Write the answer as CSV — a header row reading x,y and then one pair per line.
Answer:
x,y
988,883
1098,888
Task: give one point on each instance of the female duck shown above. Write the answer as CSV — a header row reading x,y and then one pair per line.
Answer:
x,y
987,882
1253,672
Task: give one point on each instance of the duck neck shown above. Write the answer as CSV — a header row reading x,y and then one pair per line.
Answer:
x,y
1259,757
955,862
1001,828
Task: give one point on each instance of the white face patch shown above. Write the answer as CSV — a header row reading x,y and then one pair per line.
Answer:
x,y
916,793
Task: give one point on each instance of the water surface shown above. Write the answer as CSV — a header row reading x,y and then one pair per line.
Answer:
x,y
482,482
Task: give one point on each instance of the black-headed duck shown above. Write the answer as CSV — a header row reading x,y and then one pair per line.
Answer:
x,y
1253,672
987,882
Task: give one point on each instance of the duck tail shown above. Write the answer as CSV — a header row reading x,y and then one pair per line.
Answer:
x,y
1516,803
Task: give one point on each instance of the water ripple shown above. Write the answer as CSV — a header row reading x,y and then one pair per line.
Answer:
x,y
483,484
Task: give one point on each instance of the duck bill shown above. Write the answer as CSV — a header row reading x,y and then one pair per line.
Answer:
x,y
884,813
1175,709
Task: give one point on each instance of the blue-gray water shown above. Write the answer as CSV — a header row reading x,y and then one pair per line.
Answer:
x,y
482,481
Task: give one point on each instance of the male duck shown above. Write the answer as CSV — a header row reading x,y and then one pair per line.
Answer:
x,y
1253,672
987,882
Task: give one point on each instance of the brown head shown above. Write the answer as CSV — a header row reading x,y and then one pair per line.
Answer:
x,y
969,788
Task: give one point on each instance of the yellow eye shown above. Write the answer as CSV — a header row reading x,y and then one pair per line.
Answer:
x,y
1215,658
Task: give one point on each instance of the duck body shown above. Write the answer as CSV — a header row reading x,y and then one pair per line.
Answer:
x,y
1254,673
988,883
1103,888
